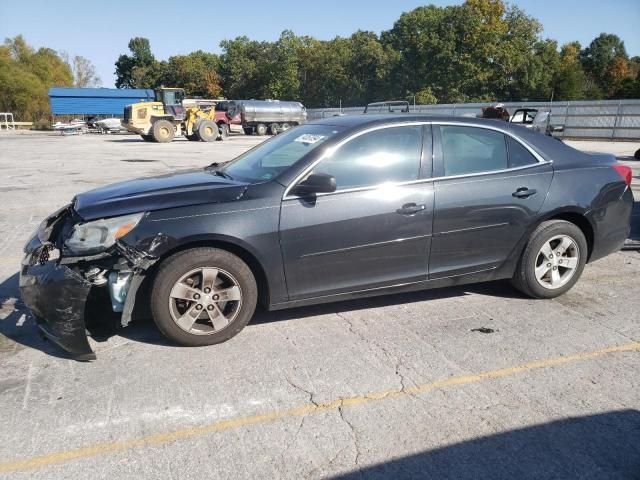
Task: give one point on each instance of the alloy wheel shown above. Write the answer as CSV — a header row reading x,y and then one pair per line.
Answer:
x,y
205,300
557,261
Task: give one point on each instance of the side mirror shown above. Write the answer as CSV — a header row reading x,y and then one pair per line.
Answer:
x,y
316,183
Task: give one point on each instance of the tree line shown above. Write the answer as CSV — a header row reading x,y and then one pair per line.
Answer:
x,y
26,74
481,50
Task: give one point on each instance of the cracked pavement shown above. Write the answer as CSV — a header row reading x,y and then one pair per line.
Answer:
x,y
334,390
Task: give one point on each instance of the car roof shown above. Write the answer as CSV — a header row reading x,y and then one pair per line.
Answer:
x,y
357,121
548,147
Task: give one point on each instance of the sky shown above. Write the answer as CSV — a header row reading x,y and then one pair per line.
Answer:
x,y
100,31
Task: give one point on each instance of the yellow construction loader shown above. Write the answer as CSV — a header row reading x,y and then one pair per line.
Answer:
x,y
166,117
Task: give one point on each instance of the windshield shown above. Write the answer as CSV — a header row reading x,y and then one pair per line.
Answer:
x,y
269,159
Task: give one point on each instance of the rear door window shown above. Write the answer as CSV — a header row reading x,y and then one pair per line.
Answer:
x,y
467,150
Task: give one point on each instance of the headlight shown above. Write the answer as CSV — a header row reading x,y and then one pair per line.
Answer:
x,y
99,235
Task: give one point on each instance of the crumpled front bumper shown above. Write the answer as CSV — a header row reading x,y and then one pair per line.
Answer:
x,y
58,290
57,296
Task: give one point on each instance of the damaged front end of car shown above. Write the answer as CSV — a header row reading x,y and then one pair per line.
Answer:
x,y
66,260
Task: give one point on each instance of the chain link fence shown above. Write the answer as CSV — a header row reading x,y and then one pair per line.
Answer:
x,y
598,119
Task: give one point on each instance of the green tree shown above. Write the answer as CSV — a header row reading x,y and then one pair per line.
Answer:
x,y
195,72
480,50
569,79
605,62
425,97
239,67
26,75
280,70
140,69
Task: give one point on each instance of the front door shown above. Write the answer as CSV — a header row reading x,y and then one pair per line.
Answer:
x,y
374,231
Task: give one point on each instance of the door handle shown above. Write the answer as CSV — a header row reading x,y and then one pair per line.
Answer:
x,y
524,192
410,209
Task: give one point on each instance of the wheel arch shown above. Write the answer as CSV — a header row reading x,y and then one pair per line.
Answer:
x,y
579,219
573,215
234,246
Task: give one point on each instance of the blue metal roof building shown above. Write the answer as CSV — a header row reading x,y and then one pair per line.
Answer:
x,y
95,101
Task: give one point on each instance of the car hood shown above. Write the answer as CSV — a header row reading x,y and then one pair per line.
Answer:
x,y
156,193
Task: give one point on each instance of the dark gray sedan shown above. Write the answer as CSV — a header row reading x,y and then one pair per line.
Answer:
x,y
337,209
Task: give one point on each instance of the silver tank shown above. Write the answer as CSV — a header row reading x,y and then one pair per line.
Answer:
x,y
254,112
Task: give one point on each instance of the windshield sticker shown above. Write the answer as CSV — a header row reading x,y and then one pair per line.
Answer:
x,y
309,138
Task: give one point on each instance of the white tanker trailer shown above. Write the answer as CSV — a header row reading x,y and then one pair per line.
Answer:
x,y
268,116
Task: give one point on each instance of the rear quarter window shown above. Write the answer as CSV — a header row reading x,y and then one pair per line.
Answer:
x,y
519,156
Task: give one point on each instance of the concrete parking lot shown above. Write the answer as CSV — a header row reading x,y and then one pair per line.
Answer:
x,y
468,382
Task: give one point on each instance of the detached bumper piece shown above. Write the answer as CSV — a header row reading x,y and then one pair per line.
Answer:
x,y
57,296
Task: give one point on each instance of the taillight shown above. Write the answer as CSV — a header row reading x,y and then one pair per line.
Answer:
x,y
624,172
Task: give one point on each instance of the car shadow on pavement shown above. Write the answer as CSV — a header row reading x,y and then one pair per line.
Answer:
x,y
18,326
495,289
604,445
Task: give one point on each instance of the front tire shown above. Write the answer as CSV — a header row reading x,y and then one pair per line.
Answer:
x,y
163,131
207,131
203,296
552,261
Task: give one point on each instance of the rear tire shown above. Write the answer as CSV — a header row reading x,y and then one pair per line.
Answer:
x,y
261,129
552,261
284,127
207,131
186,273
163,131
274,129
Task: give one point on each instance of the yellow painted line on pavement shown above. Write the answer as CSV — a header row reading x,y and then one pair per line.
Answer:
x,y
166,437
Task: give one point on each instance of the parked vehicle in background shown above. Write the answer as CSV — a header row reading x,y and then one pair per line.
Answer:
x,y
74,127
161,120
523,116
336,209
495,112
223,116
221,109
267,116
541,123
533,118
108,125
391,106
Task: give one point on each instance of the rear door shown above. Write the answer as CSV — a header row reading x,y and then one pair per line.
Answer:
x,y
488,189
375,230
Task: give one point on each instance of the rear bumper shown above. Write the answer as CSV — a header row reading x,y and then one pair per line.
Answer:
x,y
57,296
612,226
